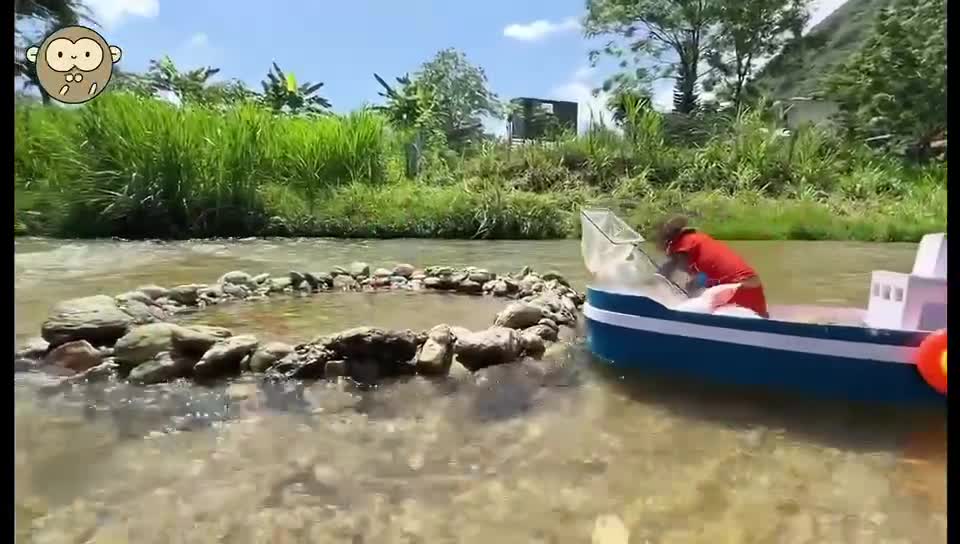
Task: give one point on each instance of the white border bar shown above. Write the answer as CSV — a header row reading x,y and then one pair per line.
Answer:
x,y
769,340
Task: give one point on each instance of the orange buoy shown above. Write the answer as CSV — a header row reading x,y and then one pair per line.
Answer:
x,y
932,360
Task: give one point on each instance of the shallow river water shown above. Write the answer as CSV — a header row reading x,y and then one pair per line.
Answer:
x,y
517,458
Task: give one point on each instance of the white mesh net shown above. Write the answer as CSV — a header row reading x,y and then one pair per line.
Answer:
x,y
609,249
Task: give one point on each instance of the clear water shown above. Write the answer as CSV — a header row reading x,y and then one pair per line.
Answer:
x,y
532,453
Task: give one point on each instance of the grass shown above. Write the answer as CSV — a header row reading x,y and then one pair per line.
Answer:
x,y
132,167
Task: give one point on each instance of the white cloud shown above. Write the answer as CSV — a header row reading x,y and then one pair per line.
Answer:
x,y
195,51
539,29
111,13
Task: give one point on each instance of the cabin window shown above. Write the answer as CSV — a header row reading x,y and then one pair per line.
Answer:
x,y
898,294
886,292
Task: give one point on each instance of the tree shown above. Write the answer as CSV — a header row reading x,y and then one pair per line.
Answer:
x,y
191,86
750,31
896,84
459,94
655,30
282,94
409,104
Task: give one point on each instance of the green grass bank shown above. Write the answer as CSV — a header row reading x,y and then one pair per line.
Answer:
x,y
141,168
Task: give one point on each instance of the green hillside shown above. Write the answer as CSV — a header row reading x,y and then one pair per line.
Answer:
x,y
799,68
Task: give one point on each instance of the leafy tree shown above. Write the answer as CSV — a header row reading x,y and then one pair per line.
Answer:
x,y
282,94
191,87
622,102
409,104
459,95
658,30
750,31
896,84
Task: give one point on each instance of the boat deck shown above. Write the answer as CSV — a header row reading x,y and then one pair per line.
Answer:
x,y
821,315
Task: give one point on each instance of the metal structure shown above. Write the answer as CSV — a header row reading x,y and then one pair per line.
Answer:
x,y
530,117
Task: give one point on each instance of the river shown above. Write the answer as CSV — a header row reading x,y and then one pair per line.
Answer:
x,y
512,460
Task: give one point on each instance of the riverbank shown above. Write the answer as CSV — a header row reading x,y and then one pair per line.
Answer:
x,y
139,168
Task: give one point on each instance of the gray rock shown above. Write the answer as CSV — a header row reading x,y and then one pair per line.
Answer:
x,y
223,359
75,356
267,355
525,271
438,271
96,319
389,347
404,270
418,275
480,275
345,283
186,294
296,278
494,346
164,367
236,290
147,341
143,313
359,269
212,291
335,369
217,332
154,291
549,323
500,288
236,277
33,349
436,354
569,305
380,281
532,343
543,331
260,279
382,273
365,371
310,370
21,364
457,332
339,271
470,287
323,279
399,281
554,275
432,282
278,285
519,315
138,296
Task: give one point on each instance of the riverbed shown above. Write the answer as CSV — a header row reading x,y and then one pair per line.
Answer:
x,y
513,459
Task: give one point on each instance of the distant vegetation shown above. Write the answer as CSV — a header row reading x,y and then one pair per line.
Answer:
x,y
231,161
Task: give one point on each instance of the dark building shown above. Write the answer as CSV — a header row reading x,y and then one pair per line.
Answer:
x,y
532,117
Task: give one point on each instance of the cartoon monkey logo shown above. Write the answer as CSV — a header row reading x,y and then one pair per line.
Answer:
x,y
74,64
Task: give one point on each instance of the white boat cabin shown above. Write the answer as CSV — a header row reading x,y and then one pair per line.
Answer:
x,y
914,301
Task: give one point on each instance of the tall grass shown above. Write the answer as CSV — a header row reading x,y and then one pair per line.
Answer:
x,y
134,167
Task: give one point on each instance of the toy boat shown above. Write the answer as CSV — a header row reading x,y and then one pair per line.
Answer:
x,y
892,352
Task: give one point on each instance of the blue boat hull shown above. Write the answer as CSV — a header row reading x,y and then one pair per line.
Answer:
x,y
827,361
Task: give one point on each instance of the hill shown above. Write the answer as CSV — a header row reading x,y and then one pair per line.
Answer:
x,y
798,69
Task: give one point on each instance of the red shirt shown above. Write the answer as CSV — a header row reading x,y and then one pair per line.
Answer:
x,y
712,257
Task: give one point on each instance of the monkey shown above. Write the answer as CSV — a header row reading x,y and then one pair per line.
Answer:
x,y
74,64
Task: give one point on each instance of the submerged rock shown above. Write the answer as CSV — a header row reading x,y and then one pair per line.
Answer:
x,y
236,277
164,367
436,354
35,348
76,356
96,319
185,294
154,291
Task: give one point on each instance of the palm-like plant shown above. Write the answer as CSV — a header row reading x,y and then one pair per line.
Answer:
x,y
281,93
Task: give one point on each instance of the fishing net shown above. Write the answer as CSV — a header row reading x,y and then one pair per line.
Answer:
x,y
609,248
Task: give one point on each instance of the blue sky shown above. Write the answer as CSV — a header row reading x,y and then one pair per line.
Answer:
x,y
527,47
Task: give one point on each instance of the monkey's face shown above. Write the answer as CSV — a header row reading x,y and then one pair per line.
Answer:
x,y
74,64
